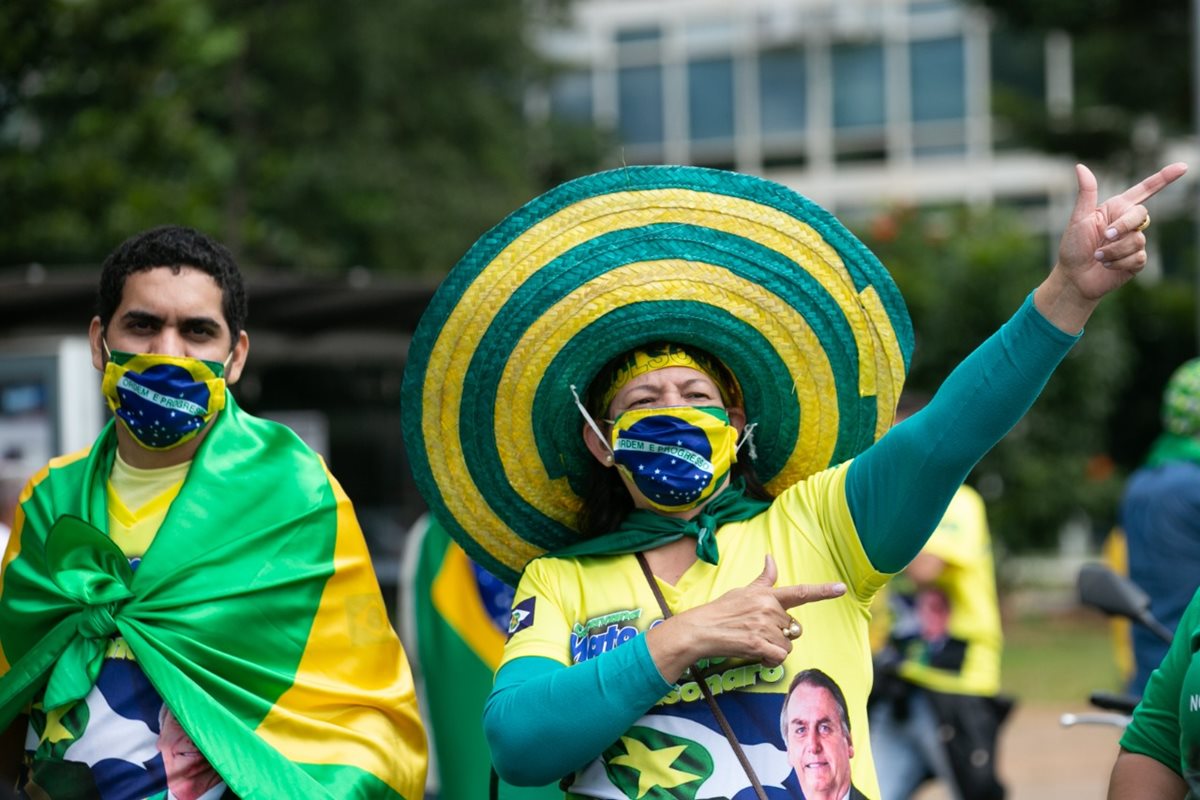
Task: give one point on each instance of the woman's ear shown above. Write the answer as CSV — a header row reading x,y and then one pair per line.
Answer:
x,y
596,447
737,418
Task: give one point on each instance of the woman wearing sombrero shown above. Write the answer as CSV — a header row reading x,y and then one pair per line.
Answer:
x,y
651,400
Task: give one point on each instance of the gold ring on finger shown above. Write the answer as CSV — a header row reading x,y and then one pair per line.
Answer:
x,y
792,631
1145,224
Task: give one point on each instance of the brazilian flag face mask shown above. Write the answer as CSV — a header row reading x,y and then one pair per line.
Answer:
x,y
675,455
163,401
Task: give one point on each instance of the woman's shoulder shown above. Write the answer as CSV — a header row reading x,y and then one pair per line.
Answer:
x,y
825,486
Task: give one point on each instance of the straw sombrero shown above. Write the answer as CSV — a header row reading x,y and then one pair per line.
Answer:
x,y
801,312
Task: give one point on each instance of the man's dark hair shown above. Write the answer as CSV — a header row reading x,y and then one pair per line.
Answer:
x,y
819,679
175,247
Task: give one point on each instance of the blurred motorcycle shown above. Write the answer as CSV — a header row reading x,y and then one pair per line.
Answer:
x,y
1103,589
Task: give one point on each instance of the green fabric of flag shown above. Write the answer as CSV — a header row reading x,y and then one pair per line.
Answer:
x,y
458,647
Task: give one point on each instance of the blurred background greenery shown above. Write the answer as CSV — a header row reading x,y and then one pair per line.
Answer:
x,y
307,134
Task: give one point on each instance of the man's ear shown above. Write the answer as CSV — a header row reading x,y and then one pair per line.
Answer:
x,y
241,350
96,341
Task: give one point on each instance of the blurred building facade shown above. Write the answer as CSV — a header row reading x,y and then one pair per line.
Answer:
x,y
857,104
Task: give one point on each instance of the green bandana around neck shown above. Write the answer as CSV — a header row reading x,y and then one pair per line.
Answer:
x,y
1173,447
644,530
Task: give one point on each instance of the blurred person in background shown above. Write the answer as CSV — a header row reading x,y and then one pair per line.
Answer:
x,y
1160,518
197,558
938,665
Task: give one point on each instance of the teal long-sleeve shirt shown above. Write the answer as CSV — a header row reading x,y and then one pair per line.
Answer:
x,y
897,491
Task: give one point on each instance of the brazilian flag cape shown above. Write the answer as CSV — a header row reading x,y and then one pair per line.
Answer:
x,y
459,648
255,613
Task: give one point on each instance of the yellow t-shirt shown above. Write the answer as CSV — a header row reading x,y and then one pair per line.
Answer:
x,y
584,606
138,500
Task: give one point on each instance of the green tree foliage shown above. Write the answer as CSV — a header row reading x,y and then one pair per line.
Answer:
x,y
1160,319
1125,108
305,134
101,123
1117,91
964,272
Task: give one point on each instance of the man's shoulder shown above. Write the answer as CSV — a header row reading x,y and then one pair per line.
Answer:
x,y
60,466
68,459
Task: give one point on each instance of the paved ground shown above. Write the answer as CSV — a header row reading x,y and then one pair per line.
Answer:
x,y
1041,760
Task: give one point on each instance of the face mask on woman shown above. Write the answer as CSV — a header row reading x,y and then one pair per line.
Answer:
x,y
676,455
163,401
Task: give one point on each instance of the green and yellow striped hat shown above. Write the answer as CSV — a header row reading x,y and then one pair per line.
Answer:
x,y
801,312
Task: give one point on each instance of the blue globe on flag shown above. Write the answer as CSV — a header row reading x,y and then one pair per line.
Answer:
x,y
667,474
162,405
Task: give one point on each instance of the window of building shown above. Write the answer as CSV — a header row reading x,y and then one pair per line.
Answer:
x,y
782,88
1018,72
938,74
640,105
710,99
922,7
571,96
1018,62
858,90
638,39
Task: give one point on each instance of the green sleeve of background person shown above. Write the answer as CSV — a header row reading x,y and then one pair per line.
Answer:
x,y
458,646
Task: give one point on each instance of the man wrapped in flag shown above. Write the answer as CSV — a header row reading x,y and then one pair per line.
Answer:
x,y
188,608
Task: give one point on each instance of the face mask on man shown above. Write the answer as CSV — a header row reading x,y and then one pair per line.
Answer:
x,y
163,401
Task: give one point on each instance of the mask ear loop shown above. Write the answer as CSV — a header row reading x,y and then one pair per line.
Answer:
x,y
748,440
591,422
